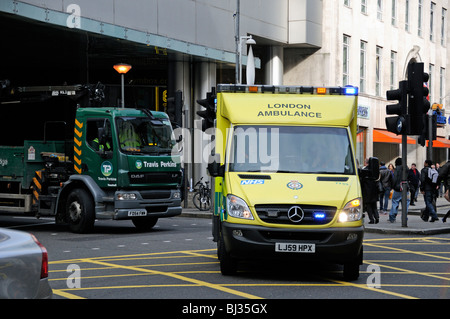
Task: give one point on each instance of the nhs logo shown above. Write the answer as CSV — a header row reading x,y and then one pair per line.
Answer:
x,y
252,182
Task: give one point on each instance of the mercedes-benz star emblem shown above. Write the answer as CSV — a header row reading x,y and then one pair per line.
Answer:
x,y
295,214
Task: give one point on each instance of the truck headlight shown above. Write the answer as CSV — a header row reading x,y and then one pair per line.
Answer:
x,y
237,207
126,196
352,211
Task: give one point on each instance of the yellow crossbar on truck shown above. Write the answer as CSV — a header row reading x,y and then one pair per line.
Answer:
x,y
286,179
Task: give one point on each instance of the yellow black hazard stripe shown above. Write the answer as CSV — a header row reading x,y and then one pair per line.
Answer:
x,y
78,140
37,187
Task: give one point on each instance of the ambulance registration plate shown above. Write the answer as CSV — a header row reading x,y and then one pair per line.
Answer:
x,y
295,248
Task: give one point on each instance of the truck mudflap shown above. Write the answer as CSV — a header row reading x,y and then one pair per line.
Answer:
x,y
339,245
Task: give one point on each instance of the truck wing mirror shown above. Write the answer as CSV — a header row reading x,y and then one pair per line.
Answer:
x,y
214,167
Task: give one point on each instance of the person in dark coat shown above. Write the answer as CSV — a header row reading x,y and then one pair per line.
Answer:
x,y
370,194
413,181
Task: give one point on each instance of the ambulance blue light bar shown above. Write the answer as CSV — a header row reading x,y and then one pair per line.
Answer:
x,y
242,88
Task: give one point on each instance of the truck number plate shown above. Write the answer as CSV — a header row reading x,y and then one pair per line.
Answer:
x,y
133,213
295,248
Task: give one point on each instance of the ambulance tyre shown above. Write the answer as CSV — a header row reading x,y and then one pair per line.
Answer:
x,y
351,269
80,211
228,265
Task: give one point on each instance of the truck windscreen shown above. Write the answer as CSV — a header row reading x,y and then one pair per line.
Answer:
x,y
291,149
139,135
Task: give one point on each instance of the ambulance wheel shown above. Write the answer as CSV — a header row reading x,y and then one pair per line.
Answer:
x,y
144,224
80,211
228,265
351,268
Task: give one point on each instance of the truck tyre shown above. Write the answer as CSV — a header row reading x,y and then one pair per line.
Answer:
x,y
80,211
144,224
228,265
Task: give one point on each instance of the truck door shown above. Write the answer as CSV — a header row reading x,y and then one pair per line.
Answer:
x,y
100,159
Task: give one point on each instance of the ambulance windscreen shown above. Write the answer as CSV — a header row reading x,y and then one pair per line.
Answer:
x,y
291,149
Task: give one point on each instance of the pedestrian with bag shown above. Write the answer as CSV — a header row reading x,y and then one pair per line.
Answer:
x,y
428,185
413,181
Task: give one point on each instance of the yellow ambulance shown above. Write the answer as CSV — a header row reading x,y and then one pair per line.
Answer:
x,y
286,181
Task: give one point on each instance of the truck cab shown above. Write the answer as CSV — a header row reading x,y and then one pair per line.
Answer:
x,y
125,158
286,178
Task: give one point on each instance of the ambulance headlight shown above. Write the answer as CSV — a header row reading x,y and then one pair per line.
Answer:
x,y
237,207
352,211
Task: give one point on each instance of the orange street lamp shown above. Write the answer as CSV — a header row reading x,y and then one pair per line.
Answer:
x,y
122,68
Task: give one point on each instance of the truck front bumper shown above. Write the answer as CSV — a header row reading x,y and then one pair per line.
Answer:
x,y
143,206
339,245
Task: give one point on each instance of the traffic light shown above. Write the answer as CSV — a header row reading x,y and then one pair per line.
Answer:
x,y
174,108
209,114
418,105
425,134
397,124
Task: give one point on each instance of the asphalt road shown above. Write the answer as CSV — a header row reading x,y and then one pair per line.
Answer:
x,y
177,260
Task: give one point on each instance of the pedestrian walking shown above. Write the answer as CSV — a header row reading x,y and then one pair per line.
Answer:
x,y
397,194
413,181
386,181
444,178
428,185
370,193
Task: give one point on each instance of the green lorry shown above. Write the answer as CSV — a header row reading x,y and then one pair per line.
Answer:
x,y
80,164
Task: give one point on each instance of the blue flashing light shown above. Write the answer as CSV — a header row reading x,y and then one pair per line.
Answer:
x,y
319,215
351,90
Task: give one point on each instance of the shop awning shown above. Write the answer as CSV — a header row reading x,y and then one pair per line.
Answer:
x,y
441,142
382,136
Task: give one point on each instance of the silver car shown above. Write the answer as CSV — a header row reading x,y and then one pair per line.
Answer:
x,y
23,266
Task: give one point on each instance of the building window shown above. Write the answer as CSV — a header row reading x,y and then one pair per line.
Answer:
x,y
379,54
362,66
433,6
441,85
443,26
407,15
364,6
380,10
419,22
347,3
394,13
392,74
345,61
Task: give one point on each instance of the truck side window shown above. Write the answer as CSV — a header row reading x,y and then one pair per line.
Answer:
x,y
92,134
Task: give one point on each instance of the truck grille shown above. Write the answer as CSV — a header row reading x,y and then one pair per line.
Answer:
x,y
155,178
306,214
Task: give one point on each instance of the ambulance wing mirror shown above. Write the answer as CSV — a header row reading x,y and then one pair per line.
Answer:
x,y
374,167
214,167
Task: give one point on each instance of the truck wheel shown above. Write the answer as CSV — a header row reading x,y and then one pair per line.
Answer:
x,y
228,265
80,211
144,224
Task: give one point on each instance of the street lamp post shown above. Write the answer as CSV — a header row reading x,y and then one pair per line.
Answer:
x,y
250,41
122,68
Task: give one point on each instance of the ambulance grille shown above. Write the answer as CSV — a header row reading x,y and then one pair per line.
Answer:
x,y
312,214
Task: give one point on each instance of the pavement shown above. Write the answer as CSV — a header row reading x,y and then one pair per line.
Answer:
x,y
414,226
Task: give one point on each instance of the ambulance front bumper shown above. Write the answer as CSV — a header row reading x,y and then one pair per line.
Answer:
x,y
338,245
